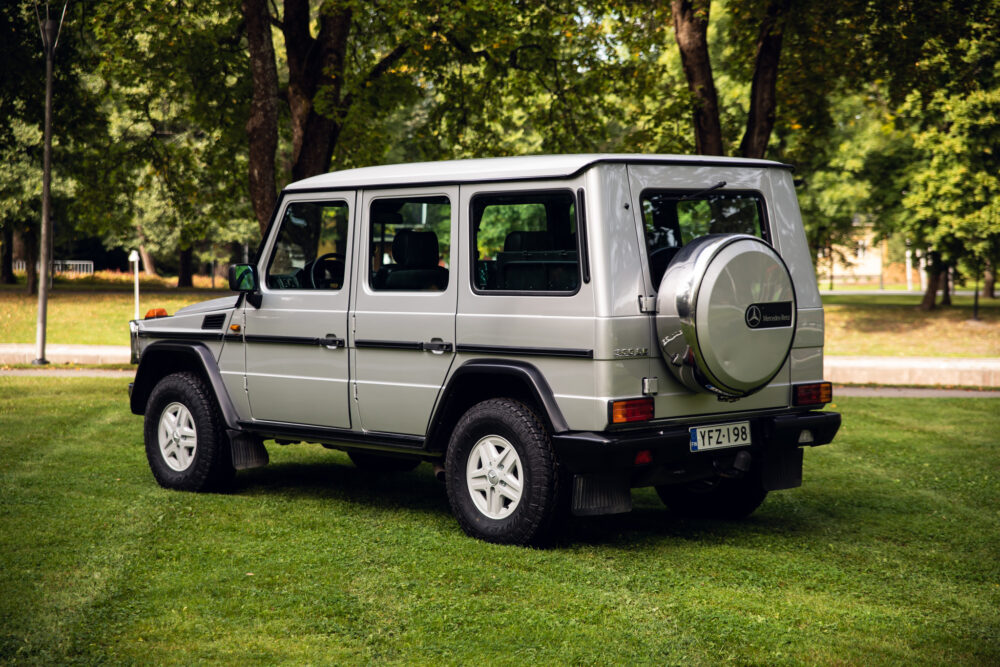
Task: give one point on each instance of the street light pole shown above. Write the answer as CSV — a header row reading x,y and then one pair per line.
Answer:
x,y
50,39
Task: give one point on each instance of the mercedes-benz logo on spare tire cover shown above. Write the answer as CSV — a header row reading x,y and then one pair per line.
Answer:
x,y
769,315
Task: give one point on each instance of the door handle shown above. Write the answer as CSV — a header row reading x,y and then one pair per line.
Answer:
x,y
331,342
436,346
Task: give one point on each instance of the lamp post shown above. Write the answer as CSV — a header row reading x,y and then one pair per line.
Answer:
x,y
134,258
49,29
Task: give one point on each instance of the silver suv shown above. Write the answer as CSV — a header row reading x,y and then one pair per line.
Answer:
x,y
549,332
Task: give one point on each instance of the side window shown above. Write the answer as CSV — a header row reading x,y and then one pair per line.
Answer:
x,y
525,242
409,245
672,219
310,248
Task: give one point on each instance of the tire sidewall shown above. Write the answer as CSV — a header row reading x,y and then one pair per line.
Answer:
x,y
186,389
504,418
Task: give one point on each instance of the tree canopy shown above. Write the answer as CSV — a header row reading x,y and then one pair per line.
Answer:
x,y
177,123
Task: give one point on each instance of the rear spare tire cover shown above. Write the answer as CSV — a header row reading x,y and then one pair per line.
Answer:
x,y
726,314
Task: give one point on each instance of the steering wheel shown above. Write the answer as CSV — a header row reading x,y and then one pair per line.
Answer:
x,y
321,273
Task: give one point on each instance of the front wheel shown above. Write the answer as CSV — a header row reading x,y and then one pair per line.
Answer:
x,y
718,498
186,444
501,473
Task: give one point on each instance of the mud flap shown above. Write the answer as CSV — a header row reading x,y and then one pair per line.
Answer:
x,y
782,469
248,451
601,493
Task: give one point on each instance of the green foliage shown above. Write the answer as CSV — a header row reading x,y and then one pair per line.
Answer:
x,y
889,112
175,86
76,120
953,202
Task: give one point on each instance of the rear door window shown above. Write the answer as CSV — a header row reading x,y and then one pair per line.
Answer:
x,y
672,219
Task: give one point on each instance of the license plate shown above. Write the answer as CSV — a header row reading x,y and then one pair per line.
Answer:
x,y
719,436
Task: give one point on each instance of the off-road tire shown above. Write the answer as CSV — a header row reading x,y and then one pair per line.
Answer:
x,y
530,522
372,462
211,467
720,498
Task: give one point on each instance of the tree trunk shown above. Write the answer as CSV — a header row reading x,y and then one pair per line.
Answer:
x,y
933,267
262,125
945,287
691,32
30,241
989,282
316,68
7,256
763,99
314,63
184,269
148,263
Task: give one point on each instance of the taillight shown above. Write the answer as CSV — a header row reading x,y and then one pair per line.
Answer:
x,y
817,393
631,410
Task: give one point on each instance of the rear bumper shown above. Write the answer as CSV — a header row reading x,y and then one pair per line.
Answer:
x,y
670,455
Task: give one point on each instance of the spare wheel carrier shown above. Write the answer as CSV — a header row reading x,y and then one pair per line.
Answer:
x,y
726,315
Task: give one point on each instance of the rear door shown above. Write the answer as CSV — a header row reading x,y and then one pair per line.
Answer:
x,y
297,368
404,313
675,205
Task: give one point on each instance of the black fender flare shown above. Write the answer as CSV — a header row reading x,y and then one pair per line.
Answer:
x,y
526,374
161,358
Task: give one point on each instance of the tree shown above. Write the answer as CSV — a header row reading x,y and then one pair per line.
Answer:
x,y
324,85
177,126
76,122
691,23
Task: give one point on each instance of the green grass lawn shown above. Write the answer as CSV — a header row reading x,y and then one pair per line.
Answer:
x,y
887,554
85,317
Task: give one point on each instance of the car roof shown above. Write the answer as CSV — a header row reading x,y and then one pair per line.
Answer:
x,y
524,167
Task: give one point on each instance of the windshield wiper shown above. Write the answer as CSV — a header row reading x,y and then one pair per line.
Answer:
x,y
695,195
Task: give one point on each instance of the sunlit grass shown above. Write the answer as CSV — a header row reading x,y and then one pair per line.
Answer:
x,y
887,554
86,317
856,324
893,325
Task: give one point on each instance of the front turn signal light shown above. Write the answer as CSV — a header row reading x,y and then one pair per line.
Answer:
x,y
153,313
817,393
631,410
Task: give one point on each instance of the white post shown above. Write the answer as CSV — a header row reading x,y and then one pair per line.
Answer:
x,y
909,270
134,258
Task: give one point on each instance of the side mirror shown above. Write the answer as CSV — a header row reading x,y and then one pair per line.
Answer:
x,y
243,278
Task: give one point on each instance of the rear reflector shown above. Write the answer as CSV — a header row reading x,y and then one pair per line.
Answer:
x,y
812,394
643,456
632,410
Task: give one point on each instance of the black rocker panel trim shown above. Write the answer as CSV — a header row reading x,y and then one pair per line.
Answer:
x,y
402,345
526,351
389,442
293,340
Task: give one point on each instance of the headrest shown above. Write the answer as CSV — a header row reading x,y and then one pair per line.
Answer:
x,y
415,249
528,241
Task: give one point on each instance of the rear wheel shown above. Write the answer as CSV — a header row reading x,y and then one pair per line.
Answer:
x,y
718,498
502,478
382,462
186,443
